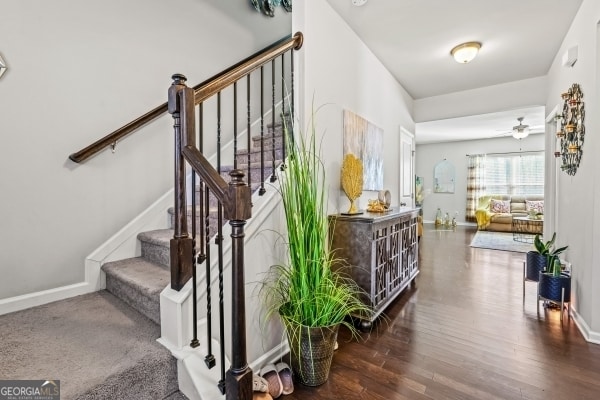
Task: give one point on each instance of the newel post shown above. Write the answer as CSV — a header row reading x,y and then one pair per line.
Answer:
x,y
182,244
238,208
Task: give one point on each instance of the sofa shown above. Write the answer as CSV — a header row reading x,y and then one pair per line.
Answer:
x,y
496,212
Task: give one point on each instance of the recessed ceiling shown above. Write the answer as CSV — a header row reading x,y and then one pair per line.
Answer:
x,y
413,38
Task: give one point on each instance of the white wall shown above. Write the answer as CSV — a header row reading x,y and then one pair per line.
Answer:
x,y
531,92
339,73
428,155
77,71
578,223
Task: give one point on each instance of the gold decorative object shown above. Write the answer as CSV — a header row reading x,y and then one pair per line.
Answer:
x,y
376,206
352,180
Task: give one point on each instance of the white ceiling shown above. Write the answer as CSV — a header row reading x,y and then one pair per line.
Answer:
x,y
413,39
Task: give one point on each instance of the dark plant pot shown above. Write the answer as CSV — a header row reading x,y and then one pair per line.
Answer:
x,y
550,287
311,351
535,264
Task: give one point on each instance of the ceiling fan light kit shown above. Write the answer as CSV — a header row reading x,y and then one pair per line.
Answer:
x,y
520,131
465,52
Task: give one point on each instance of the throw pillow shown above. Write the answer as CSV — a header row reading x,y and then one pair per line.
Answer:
x,y
534,205
500,206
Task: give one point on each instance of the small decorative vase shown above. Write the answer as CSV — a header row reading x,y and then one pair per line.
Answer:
x,y
438,217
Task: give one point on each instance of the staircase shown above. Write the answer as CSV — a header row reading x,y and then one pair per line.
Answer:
x,y
139,281
266,81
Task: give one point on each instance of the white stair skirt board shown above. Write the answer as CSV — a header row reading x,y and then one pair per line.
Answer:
x,y
198,382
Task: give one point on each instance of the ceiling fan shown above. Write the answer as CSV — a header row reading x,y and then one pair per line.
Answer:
x,y
520,131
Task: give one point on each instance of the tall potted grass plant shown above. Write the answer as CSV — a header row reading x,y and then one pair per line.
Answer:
x,y
310,298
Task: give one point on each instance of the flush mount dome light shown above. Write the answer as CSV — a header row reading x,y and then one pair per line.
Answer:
x,y
463,53
359,3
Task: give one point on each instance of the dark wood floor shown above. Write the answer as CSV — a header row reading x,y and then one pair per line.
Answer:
x,y
463,333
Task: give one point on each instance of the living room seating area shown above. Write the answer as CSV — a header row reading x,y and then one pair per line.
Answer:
x,y
496,212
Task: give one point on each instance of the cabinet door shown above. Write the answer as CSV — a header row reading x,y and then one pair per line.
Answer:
x,y
380,266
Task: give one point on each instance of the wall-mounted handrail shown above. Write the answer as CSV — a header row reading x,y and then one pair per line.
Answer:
x,y
203,91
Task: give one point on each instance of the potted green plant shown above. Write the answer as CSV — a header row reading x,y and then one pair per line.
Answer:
x,y
543,255
311,299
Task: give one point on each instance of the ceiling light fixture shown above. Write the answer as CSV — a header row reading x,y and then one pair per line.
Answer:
x,y
463,53
359,3
520,131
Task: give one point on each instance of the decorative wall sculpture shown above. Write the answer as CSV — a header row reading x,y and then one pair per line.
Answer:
x,y
365,141
352,181
267,7
571,130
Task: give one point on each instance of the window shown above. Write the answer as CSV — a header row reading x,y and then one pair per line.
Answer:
x,y
518,174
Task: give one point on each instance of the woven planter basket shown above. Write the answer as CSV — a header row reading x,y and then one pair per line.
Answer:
x,y
535,264
550,287
311,351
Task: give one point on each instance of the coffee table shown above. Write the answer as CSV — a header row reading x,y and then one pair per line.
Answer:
x,y
525,228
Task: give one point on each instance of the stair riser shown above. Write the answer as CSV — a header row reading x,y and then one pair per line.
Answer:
x,y
150,307
267,143
200,220
156,253
242,156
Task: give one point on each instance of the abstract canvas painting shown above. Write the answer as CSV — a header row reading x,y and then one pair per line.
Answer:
x,y
365,140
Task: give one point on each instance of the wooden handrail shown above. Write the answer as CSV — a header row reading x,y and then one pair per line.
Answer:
x,y
203,91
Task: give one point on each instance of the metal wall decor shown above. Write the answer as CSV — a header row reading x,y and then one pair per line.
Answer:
x,y
571,130
2,66
267,7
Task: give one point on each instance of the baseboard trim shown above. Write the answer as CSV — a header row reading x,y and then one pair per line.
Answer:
x,y
25,301
586,332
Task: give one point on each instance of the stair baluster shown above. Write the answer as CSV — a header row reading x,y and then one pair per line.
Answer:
x,y
262,189
273,147
282,166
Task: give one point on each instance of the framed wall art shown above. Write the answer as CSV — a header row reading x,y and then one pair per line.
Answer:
x,y
364,140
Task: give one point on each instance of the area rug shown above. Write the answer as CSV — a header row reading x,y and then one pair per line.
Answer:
x,y
499,241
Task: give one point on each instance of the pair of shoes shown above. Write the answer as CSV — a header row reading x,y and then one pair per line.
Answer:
x,y
259,384
285,375
279,378
269,372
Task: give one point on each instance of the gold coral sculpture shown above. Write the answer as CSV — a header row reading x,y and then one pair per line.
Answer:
x,y
352,180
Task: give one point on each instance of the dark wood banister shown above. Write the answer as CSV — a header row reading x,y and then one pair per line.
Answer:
x,y
202,91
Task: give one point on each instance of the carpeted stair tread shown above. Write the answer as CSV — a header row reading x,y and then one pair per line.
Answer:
x,y
138,282
95,344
